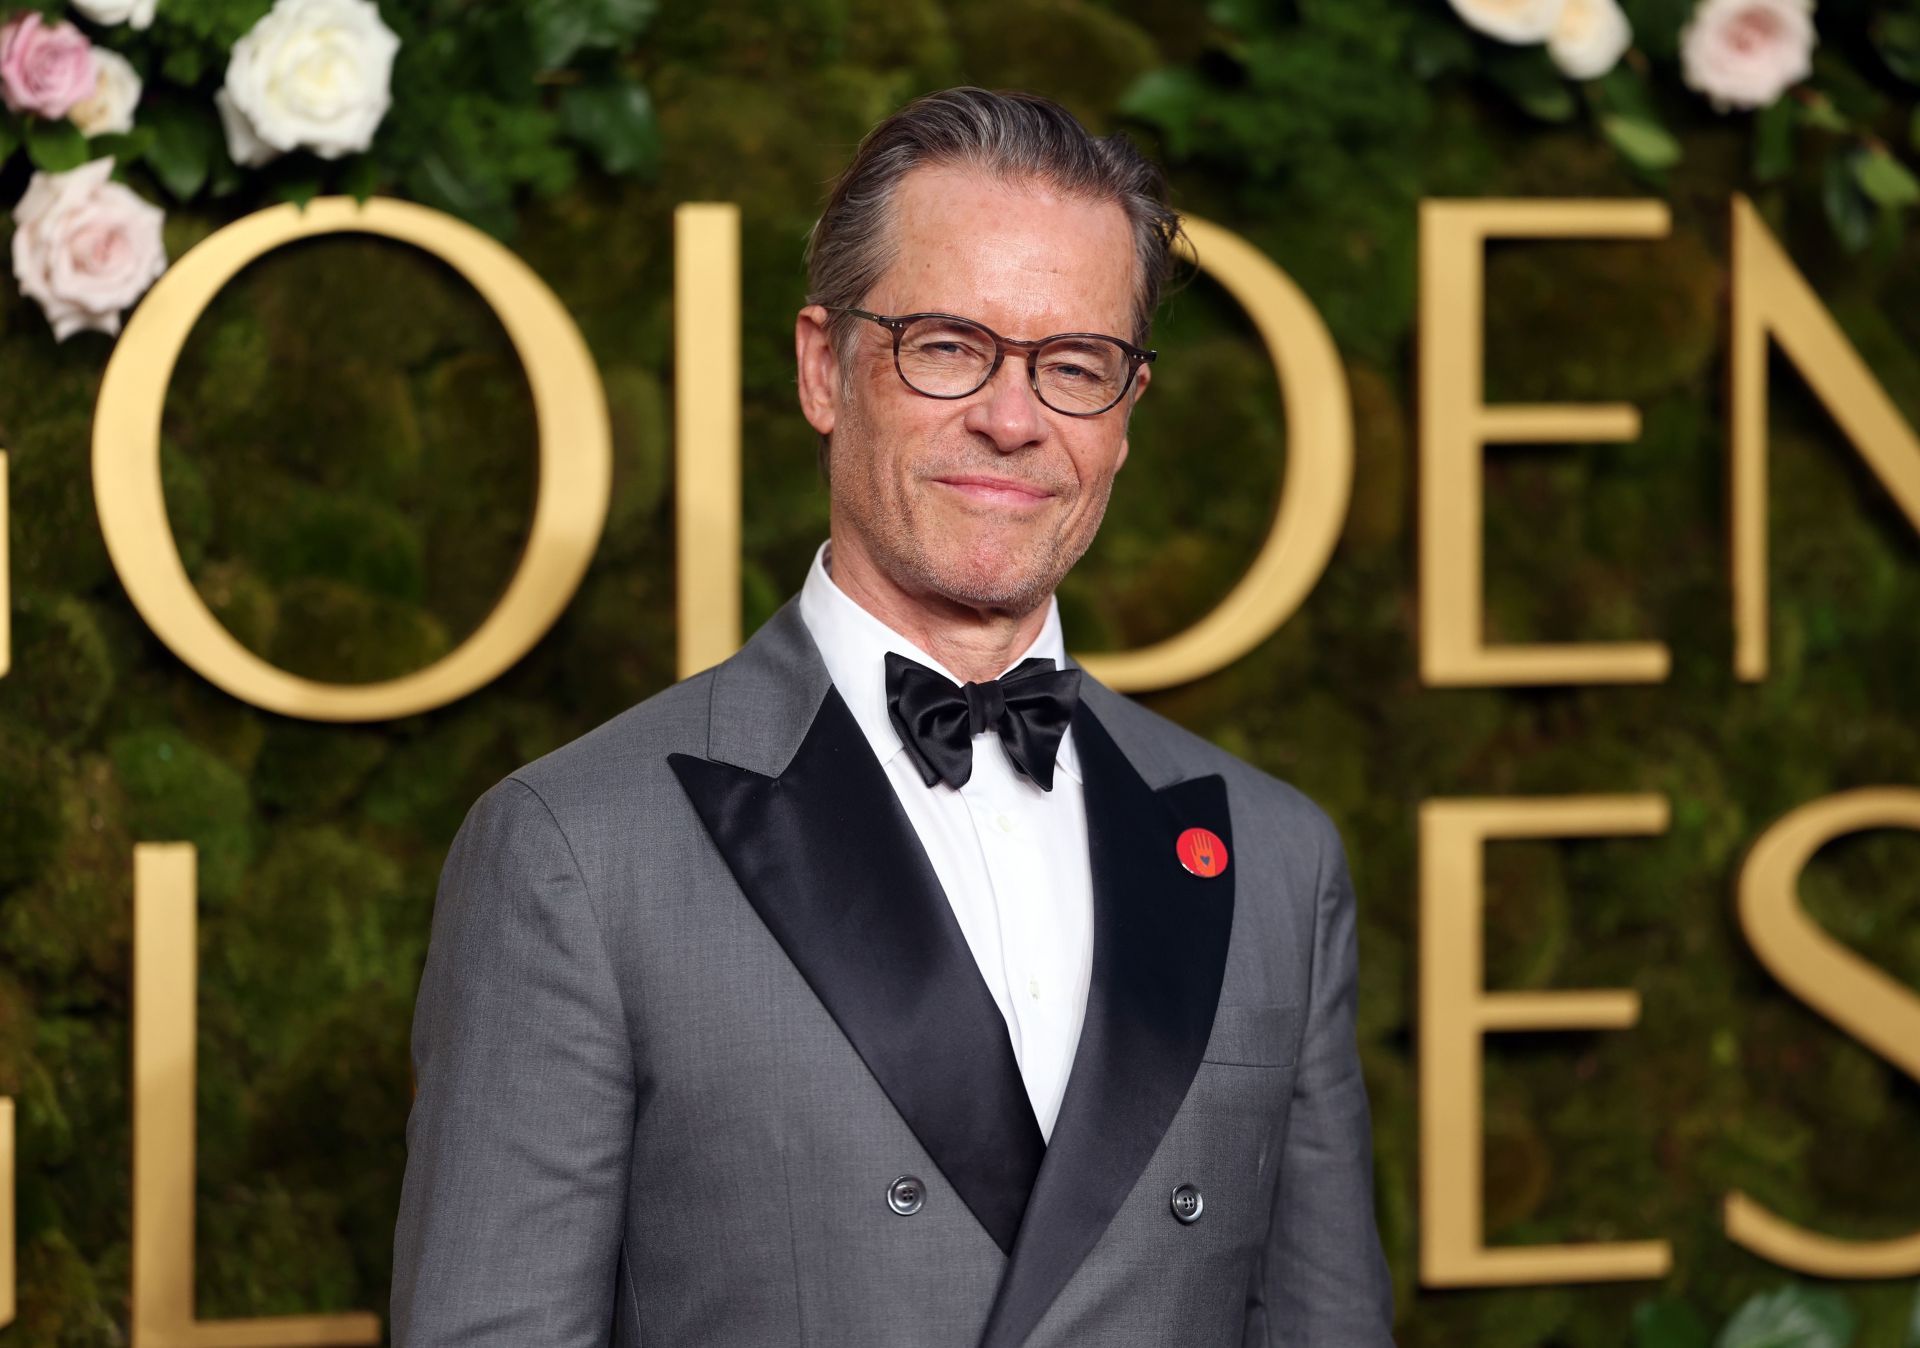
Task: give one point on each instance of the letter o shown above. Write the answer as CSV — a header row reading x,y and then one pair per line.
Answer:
x,y
1314,494
570,510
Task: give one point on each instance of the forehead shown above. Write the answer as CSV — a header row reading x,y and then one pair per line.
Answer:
x,y
1018,255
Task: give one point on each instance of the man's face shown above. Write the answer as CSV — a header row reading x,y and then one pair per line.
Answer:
x,y
986,500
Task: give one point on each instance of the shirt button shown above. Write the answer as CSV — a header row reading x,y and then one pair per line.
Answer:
x,y
1033,988
1006,824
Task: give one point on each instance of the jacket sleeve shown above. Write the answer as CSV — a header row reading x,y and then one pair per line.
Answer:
x,y
520,1136
1323,1281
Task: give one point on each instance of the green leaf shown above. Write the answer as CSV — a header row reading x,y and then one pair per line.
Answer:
x,y
55,146
9,138
563,28
1792,1317
1849,213
1773,140
226,178
361,178
481,202
125,146
1820,111
1621,90
1857,98
1239,15
182,64
186,143
1437,44
1657,25
1644,143
1885,179
297,190
1912,1339
1669,1324
1173,101
1897,35
1630,120
615,121
1531,80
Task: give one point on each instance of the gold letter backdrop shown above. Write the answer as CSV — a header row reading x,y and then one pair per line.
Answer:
x,y
576,460
1457,1007
1853,994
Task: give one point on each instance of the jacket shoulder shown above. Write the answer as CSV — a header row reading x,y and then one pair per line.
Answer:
x,y
1168,752
623,757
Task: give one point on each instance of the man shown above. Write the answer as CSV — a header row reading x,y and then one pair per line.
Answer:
x,y
894,982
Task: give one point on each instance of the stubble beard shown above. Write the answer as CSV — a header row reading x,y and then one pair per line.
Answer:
x,y
884,516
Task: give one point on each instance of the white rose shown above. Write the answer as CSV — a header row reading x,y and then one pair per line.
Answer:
x,y
139,13
1745,53
311,73
1516,21
1590,38
110,106
244,147
85,247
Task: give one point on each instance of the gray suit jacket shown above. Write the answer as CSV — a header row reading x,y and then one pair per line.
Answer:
x,y
694,1000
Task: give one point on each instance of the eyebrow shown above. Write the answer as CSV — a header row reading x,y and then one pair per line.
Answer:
x,y
1095,331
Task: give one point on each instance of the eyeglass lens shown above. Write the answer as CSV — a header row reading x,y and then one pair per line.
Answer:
x,y
949,358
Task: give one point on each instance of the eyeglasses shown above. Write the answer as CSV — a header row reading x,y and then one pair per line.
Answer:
x,y
944,356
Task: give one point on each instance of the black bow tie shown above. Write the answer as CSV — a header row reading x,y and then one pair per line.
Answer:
x,y
1029,706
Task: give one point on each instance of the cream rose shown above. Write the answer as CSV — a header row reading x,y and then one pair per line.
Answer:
x,y
137,13
1590,38
1746,53
1516,21
85,247
312,73
110,106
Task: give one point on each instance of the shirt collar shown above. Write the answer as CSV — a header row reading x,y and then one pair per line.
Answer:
x,y
854,644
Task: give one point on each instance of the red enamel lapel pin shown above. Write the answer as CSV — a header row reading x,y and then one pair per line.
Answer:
x,y
1201,852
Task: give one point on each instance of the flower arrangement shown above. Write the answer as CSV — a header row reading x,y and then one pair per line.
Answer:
x,y
311,74
1738,53
1746,53
1272,88
1741,56
126,106
84,247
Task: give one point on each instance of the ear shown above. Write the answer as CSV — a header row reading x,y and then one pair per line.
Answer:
x,y
819,369
1134,394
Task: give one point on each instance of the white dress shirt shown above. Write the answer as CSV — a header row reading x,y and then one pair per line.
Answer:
x,y
1011,857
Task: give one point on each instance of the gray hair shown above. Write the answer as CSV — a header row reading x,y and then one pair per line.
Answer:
x,y
1009,134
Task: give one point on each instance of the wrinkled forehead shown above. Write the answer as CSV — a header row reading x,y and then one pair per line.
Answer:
x,y
1018,254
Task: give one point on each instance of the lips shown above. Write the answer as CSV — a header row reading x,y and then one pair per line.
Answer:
x,y
997,490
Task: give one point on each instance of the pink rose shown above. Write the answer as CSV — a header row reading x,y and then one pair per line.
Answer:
x,y
1745,53
85,247
44,70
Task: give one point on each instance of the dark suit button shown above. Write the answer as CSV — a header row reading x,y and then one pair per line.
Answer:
x,y
1187,1204
906,1194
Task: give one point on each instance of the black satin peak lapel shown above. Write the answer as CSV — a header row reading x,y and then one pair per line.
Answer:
x,y
1159,952
830,861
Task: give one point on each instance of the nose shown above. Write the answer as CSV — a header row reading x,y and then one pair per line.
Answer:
x,y
1005,410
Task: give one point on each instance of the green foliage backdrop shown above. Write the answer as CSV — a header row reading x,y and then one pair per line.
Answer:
x,y
349,471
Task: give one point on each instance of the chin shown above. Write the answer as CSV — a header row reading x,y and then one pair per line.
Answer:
x,y
993,572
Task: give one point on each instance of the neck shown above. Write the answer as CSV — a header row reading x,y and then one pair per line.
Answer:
x,y
975,643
